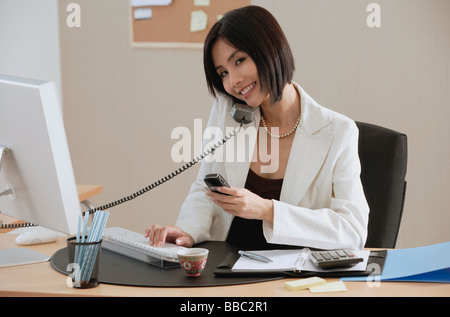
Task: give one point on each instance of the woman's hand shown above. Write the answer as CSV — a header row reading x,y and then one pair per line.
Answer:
x,y
158,235
243,203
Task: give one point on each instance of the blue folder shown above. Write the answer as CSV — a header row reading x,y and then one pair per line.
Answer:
x,y
422,264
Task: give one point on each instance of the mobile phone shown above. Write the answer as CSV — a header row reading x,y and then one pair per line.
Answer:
x,y
215,180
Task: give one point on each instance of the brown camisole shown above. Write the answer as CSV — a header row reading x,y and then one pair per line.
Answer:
x,y
246,232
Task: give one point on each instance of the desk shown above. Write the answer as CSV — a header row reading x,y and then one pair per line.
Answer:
x,y
42,280
88,191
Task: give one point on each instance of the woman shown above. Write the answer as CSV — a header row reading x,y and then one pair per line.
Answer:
x,y
314,198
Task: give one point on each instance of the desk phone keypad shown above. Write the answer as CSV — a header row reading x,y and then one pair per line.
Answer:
x,y
341,258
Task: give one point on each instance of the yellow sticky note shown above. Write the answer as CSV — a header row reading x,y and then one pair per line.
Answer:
x,y
199,21
304,283
329,287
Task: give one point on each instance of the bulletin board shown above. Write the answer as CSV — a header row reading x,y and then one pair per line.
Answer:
x,y
176,25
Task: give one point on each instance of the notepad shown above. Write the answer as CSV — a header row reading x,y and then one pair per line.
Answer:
x,y
282,260
305,283
288,260
338,286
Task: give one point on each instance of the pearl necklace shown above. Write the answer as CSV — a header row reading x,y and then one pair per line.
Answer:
x,y
283,135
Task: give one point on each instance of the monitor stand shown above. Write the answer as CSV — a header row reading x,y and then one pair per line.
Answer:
x,y
4,152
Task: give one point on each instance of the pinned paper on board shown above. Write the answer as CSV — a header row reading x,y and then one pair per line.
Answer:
x,y
147,3
202,3
143,14
176,23
199,21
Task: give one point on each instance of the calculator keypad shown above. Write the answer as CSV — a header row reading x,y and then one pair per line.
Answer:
x,y
334,258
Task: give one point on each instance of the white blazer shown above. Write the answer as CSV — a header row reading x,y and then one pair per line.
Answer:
x,y
322,203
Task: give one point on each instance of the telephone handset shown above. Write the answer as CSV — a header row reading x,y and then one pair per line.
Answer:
x,y
242,114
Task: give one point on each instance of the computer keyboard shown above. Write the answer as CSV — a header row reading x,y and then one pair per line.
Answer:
x,y
135,245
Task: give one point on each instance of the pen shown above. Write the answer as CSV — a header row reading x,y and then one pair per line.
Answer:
x,y
254,256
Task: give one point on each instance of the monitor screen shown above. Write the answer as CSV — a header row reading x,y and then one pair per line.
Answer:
x,y
37,182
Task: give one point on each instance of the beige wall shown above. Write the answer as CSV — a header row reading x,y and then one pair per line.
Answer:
x,y
122,103
29,39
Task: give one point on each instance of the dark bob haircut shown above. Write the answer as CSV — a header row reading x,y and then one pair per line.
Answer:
x,y
255,31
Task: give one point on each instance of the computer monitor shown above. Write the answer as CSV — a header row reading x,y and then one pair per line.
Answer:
x,y
37,182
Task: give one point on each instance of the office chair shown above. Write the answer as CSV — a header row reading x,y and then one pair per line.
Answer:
x,y
383,155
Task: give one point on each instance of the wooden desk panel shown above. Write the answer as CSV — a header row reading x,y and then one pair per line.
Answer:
x,y
42,280
87,191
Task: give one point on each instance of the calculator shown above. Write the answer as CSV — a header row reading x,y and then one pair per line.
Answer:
x,y
342,258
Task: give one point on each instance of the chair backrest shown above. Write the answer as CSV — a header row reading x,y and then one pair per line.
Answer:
x,y
383,155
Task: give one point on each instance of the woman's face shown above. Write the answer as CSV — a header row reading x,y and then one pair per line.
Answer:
x,y
238,72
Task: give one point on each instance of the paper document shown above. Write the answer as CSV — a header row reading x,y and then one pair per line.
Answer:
x,y
287,260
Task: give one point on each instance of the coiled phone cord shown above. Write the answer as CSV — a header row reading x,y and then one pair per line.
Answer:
x,y
168,177
163,180
145,189
17,225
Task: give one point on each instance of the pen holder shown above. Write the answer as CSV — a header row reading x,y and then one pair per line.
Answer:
x,y
84,260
